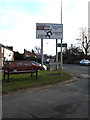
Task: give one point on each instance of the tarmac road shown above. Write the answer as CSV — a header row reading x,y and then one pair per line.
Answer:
x,y
59,101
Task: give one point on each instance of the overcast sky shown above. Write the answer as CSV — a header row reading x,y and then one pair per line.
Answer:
x,y
18,20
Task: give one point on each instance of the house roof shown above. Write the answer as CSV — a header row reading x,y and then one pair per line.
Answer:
x,y
7,47
29,53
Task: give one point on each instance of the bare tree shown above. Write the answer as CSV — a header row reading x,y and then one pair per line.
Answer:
x,y
84,40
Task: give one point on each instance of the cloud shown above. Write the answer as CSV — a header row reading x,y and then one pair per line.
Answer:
x,y
19,26
28,6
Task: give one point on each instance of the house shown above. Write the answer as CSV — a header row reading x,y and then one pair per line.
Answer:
x,y
6,53
29,54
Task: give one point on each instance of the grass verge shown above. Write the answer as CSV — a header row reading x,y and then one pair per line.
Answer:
x,y
22,81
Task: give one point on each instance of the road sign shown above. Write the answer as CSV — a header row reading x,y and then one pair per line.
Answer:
x,y
49,31
63,45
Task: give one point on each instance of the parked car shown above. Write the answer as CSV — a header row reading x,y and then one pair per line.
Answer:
x,y
47,61
84,62
38,65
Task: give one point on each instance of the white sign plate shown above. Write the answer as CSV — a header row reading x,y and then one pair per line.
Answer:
x,y
49,31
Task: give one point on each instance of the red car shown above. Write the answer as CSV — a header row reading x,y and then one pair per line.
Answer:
x,y
38,65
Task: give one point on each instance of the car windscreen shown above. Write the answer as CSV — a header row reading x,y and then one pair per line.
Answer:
x,y
35,63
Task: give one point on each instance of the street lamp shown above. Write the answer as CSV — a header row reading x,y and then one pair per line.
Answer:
x,y
61,39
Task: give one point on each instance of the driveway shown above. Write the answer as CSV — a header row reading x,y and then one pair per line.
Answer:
x,y
59,101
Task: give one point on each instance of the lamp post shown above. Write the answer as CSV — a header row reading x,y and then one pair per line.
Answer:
x,y
61,39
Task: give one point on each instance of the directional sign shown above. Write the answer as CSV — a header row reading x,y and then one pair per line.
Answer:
x,y
63,45
49,31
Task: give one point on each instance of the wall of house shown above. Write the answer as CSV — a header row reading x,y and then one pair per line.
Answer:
x,y
5,54
0,57
8,55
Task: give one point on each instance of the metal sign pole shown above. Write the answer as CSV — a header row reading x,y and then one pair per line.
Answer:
x,y
56,52
41,54
61,56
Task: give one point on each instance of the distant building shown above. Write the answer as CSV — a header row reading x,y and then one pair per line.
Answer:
x,y
6,54
29,54
89,23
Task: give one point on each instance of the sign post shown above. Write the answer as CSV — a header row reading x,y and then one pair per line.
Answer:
x,y
56,52
48,31
42,54
61,55
63,45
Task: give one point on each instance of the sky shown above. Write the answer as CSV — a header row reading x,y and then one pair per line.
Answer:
x,y
18,20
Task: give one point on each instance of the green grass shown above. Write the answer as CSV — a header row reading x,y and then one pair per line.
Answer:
x,y
22,81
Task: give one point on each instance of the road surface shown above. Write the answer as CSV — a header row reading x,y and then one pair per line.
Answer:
x,y
59,101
